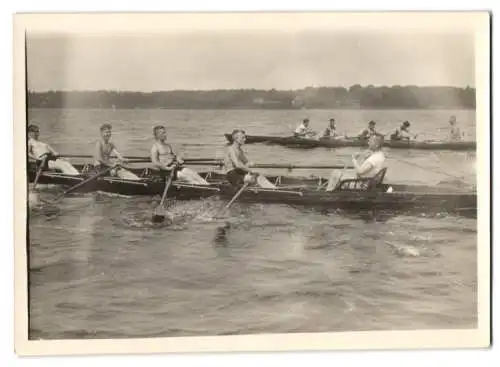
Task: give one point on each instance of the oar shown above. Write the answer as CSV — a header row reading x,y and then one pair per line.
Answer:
x,y
240,191
33,197
84,182
298,166
138,158
159,213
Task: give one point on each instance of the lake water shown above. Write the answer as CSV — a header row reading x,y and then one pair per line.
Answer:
x,y
99,270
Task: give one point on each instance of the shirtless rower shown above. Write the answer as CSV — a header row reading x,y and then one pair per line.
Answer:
x,y
331,130
368,132
238,167
104,149
402,132
455,134
37,150
164,159
370,167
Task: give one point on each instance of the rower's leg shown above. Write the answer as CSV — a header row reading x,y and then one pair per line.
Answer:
x,y
264,182
191,176
333,181
127,175
63,166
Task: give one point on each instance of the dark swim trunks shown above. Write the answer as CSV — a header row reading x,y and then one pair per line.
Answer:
x,y
236,176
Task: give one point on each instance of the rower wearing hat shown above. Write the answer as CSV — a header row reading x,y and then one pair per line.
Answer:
x,y
369,131
303,130
402,132
38,150
237,165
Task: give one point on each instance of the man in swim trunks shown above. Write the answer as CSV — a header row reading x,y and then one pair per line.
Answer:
x,y
103,151
455,134
164,159
366,133
331,130
238,167
402,133
38,150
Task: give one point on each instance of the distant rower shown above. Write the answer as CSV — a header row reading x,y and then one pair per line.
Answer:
x,y
163,158
38,150
331,130
103,151
370,167
455,134
303,130
238,167
368,132
402,132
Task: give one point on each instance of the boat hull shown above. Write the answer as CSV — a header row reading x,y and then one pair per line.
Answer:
x,y
293,191
293,142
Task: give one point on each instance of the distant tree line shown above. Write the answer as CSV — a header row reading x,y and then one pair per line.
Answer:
x,y
355,97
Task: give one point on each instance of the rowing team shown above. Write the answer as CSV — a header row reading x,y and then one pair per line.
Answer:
x,y
401,133
163,158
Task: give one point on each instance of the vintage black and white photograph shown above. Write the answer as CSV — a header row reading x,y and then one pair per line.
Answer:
x,y
259,175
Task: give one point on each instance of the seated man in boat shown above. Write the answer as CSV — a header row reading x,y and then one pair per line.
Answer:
x,y
238,167
38,150
303,130
164,159
368,132
402,132
331,130
370,166
103,151
455,134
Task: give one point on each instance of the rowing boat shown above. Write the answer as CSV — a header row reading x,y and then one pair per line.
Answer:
x,y
295,191
294,142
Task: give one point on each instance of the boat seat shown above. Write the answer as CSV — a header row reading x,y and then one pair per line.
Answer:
x,y
362,184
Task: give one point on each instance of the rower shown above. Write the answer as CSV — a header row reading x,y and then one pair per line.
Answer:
x,y
370,167
455,134
331,130
368,132
164,159
104,149
303,130
402,133
238,167
37,150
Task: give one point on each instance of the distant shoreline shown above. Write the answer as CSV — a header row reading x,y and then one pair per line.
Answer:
x,y
356,97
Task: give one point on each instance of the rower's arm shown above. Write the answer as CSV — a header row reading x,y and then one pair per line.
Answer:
x,y
362,168
115,152
31,154
98,158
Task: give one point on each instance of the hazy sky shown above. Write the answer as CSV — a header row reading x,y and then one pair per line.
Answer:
x,y
213,60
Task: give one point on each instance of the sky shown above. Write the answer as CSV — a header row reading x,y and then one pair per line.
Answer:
x,y
237,59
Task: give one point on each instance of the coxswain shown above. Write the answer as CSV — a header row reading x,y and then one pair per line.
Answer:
x,y
455,134
402,132
104,150
368,132
38,150
331,130
164,159
370,166
303,130
238,167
